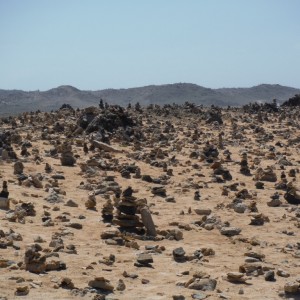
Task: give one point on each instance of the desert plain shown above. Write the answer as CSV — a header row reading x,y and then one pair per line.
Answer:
x,y
159,202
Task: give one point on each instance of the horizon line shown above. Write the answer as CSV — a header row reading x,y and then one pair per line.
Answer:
x,y
157,85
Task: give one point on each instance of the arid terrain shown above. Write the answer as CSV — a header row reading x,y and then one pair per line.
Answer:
x,y
159,202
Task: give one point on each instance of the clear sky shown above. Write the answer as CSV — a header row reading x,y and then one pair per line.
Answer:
x,y
97,44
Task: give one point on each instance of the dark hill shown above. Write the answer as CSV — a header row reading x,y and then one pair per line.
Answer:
x,y
16,101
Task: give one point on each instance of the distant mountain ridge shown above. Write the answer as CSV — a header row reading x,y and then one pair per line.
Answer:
x,y
16,101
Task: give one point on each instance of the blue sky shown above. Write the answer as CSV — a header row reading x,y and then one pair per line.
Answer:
x,y
97,44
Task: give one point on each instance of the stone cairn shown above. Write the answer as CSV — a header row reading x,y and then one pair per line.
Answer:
x,y
91,201
67,158
244,165
4,193
48,168
107,209
4,201
85,148
18,168
220,140
137,173
34,261
292,196
275,200
197,195
126,206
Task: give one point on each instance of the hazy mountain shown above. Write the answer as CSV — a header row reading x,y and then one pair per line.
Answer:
x,y
16,101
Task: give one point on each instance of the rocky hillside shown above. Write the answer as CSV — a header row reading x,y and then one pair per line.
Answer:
x,y
16,101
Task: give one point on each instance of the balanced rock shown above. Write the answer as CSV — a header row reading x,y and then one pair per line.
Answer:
x,y
144,260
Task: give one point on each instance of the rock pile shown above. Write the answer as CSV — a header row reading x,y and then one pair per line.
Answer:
x,y
265,175
126,208
209,150
67,158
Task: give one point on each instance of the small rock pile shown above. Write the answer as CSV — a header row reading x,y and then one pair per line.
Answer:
x,y
107,210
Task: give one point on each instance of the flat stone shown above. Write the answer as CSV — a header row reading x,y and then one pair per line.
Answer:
x,y
251,260
58,176
74,225
199,296
202,212
170,199
178,297
108,234
144,259
230,231
254,254
203,284
236,277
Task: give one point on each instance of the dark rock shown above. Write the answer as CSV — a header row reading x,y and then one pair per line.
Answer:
x,y
270,276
